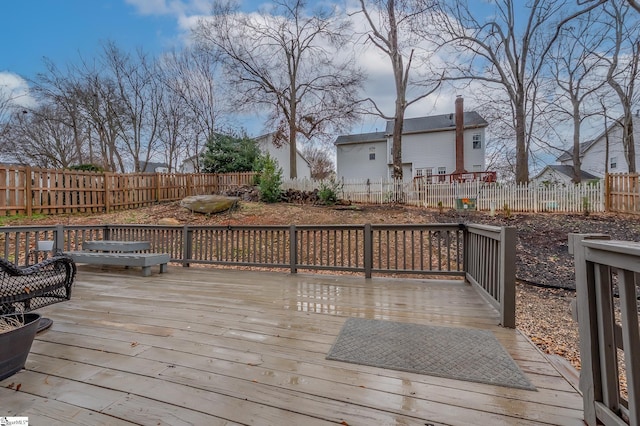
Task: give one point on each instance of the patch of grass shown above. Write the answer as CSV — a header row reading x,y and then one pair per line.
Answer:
x,y
6,220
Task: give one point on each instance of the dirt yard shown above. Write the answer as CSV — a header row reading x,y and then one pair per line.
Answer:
x,y
544,267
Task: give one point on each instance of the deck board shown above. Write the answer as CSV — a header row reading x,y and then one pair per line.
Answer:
x,y
214,346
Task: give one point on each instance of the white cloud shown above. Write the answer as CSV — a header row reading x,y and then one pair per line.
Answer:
x,y
15,90
178,8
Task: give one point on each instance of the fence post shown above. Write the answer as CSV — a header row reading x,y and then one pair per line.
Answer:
x,y
107,191
28,191
368,250
507,277
293,249
157,177
187,252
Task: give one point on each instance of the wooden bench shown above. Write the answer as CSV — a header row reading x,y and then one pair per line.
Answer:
x,y
121,253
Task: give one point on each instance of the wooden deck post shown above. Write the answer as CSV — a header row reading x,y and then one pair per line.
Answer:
x,y
187,235
590,373
59,238
293,246
507,277
368,250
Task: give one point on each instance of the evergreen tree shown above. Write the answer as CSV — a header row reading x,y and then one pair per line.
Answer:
x,y
225,154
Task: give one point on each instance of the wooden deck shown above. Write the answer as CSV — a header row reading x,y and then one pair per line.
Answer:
x,y
212,347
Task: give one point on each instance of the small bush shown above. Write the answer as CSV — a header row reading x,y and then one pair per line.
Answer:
x,y
507,211
328,192
270,181
586,206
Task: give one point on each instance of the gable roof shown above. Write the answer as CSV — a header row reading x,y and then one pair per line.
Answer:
x,y
437,123
434,123
361,138
584,146
151,167
568,154
567,171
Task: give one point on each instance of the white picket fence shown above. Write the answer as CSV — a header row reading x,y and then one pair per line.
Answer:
x,y
486,196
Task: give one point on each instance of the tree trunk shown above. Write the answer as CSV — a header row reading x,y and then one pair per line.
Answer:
x,y
628,140
293,151
522,159
577,162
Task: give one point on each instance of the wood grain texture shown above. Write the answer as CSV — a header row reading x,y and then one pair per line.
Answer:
x,y
211,346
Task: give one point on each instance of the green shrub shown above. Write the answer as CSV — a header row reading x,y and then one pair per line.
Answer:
x,y
328,192
270,181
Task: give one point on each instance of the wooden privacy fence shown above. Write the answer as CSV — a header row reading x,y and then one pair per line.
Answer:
x,y
27,190
483,255
623,193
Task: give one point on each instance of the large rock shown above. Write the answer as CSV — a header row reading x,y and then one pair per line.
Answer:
x,y
209,204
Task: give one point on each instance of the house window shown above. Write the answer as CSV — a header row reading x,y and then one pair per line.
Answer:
x,y
613,163
372,153
442,171
425,172
477,167
477,141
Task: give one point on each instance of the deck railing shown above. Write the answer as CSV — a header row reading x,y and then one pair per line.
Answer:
x,y
483,255
606,335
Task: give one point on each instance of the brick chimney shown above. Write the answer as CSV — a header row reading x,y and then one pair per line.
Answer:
x,y
459,135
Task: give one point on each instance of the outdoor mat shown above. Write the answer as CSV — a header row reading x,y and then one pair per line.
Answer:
x,y
453,353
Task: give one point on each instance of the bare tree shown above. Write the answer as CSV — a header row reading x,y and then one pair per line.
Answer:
x,y
138,90
623,69
286,58
40,137
190,75
322,166
55,87
579,74
393,27
498,53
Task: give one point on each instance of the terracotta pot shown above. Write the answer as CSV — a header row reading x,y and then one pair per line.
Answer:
x,y
16,344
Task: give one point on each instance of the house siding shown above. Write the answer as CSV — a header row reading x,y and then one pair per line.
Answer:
x,y
438,149
593,159
281,155
353,161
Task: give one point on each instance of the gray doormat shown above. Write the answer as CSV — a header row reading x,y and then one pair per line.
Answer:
x,y
453,353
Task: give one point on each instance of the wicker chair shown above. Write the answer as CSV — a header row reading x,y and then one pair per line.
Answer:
x,y
24,289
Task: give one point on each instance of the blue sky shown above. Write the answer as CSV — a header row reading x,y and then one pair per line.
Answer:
x,y
60,30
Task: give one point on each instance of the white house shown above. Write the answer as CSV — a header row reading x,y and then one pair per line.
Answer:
x,y
593,153
265,144
281,155
561,174
154,167
435,145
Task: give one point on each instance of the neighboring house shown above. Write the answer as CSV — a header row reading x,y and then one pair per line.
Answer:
x,y
265,144
593,153
559,174
154,167
281,155
435,145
